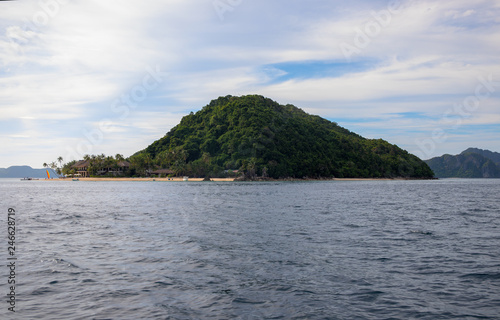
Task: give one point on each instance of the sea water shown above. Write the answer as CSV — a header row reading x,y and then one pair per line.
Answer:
x,y
266,250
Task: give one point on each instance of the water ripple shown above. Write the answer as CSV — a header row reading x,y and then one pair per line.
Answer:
x,y
280,250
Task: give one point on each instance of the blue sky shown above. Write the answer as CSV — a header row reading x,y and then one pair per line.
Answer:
x,y
111,77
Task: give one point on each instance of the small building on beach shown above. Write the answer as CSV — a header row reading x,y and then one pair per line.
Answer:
x,y
117,170
82,168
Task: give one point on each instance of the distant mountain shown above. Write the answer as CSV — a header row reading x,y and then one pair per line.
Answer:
x,y
493,156
25,171
471,163
258,136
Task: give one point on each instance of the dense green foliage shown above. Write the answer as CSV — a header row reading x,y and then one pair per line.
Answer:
x,y
472,163
261,137
98,165
493,156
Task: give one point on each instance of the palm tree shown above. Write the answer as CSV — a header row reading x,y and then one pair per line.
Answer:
x,y
59,169
93,164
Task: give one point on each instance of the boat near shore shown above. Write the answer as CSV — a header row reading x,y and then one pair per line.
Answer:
x,y
28,179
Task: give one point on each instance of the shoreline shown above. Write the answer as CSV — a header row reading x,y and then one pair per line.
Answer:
x,y
176,179
180,179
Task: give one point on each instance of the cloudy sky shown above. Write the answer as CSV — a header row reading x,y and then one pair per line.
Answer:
x,y
112,76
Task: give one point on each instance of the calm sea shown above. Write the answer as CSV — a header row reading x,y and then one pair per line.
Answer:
x,y
280,250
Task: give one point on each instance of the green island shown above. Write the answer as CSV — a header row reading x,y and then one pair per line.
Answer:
x,y
253,138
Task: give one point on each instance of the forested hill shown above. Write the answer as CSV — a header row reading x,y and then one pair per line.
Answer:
x,y
471,163
261,137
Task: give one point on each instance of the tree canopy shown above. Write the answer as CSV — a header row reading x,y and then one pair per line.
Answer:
x,y
261,137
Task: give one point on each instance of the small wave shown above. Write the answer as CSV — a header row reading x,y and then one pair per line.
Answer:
x,y
224,291
368,296
122,293
383,259
478,210
352,225
284,288
425,233
301,292
163,284
88,280
41,291
67,263
247,301
482,276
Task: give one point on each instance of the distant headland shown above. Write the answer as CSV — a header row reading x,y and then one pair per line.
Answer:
x,y
25,171
471,163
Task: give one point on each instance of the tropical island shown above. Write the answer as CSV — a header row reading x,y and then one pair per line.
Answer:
x,y
253,138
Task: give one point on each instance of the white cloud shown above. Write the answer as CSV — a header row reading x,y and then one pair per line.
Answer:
x,y
408,78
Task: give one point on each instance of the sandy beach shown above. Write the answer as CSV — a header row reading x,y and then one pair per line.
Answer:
x,y
180,179
176,179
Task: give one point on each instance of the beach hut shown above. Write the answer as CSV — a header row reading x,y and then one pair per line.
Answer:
x,y
82,167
